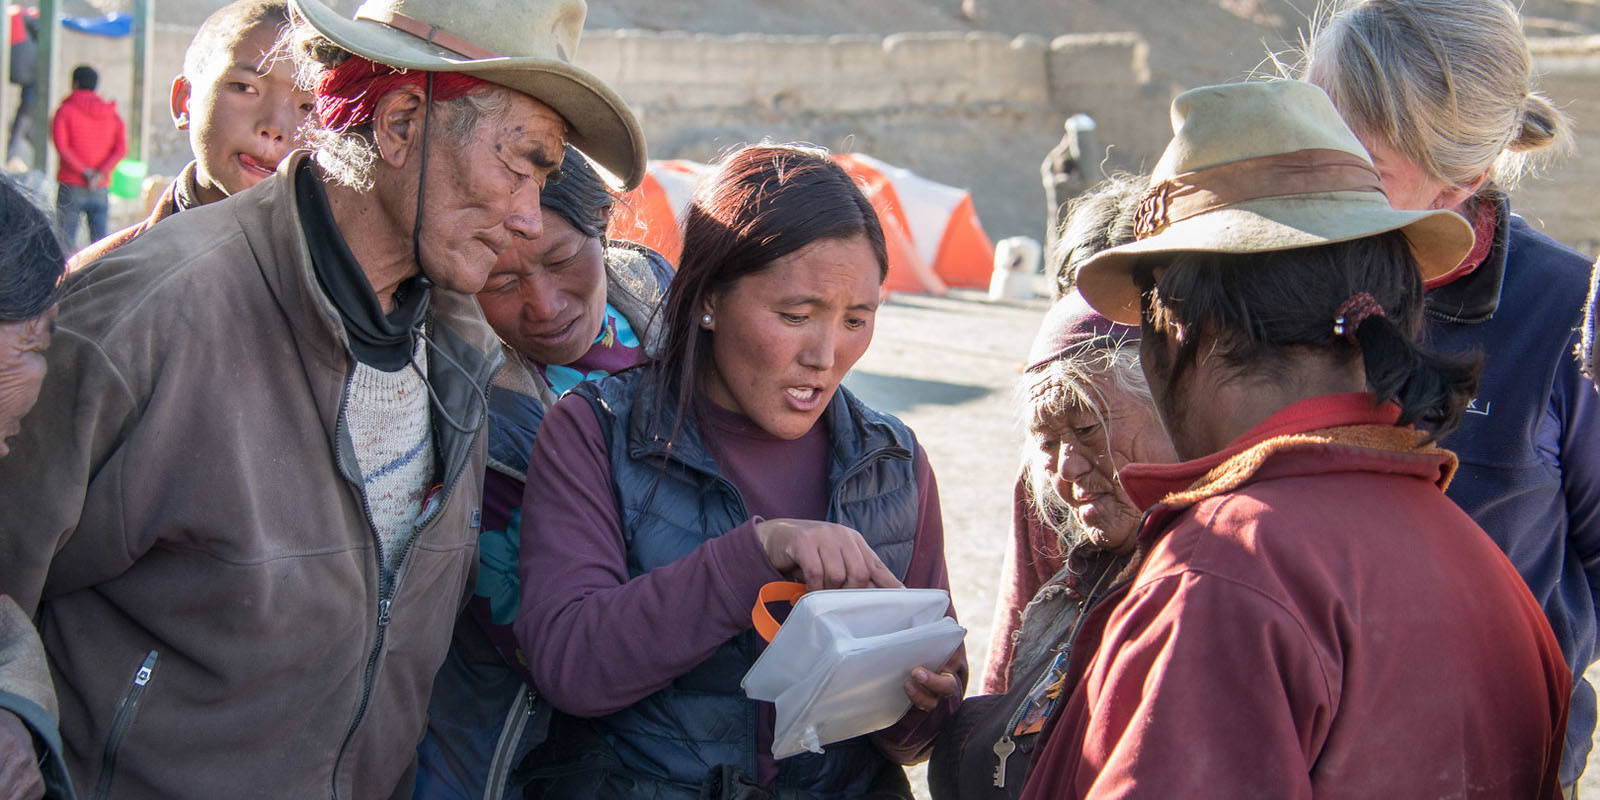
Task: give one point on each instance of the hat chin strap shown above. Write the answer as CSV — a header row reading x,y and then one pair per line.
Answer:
x,y
416,254
422,178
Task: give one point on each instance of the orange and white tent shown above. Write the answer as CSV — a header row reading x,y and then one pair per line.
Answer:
x,y
934,238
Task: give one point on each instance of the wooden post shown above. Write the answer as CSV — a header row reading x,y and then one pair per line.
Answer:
x,y
5,81
143,32
44,155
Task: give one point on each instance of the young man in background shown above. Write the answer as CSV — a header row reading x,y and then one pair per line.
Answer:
x,y
90,138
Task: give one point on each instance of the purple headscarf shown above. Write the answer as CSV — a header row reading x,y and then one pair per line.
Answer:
x,y
1070,328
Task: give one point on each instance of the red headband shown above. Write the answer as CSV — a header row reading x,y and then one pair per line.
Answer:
x,y
348,94
1354,311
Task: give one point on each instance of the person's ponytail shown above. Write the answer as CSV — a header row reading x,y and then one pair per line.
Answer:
x,y
1432,390
1541,124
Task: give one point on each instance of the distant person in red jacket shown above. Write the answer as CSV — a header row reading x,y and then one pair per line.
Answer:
x,y
90,138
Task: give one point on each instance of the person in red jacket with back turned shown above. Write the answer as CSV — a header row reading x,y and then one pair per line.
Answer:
x,y
90,138
1312,618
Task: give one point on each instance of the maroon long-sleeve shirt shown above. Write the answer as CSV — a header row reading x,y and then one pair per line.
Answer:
x,y
598,641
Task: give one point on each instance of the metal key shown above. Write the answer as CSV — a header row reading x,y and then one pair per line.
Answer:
x,y
1002,751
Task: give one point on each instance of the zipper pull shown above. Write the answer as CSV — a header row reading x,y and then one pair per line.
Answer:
x,y
146,670
383,612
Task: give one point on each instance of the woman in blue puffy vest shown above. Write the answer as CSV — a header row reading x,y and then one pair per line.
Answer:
x,y
661,499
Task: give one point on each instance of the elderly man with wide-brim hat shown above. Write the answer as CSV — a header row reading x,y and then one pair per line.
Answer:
x,y
246,509
1311,615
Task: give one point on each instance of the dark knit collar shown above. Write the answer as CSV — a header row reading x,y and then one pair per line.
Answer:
x,y
186,189
1475,297
382,341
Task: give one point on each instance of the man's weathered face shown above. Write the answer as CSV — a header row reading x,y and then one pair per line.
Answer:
x,y
22,369
483,191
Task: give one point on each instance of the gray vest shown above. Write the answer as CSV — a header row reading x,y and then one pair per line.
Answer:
x,y
673,498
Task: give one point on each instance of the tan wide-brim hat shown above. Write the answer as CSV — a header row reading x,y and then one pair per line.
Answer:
x,y
526,46
1259,167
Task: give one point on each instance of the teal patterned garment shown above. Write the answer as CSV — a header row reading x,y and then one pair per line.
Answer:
x,y
498,580
615,348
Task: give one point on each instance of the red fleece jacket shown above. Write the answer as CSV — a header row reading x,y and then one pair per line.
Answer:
x,y
88,134
1313,619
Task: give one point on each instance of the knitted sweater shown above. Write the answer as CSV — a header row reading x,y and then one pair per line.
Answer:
x,y
390,429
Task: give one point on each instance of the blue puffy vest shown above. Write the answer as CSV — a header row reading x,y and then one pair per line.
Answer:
x,y
672,498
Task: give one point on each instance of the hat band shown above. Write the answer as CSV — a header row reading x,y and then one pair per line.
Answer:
x,y
432,34
1301,172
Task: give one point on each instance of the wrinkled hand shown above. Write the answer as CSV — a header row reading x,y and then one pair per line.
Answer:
x,y
19,765
825,555
926,688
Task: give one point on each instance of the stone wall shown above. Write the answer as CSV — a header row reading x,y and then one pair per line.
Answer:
x,y
843,74
977,110
980,110
1561,199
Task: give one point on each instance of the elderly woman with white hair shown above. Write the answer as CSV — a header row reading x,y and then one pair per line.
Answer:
x,y
1088,413
1056,376
1440,92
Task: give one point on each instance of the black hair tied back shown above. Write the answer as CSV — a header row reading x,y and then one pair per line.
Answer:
x,y
1431,389
1357,299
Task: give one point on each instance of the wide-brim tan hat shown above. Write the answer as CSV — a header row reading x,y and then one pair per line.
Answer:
x,y
1255,168
526,46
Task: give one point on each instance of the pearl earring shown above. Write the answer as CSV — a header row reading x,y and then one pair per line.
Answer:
x,y
705,319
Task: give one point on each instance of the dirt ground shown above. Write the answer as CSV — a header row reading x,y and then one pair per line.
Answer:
x,y
949,367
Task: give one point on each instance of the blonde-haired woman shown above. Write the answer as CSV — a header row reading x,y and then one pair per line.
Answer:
x,y
1441,94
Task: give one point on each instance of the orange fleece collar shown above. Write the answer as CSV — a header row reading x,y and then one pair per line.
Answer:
x,y
1343,420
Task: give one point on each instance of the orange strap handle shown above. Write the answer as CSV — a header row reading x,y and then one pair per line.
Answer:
x,y
776,591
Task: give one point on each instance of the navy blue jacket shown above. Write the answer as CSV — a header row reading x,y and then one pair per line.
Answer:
x,y
673,497
1530,464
